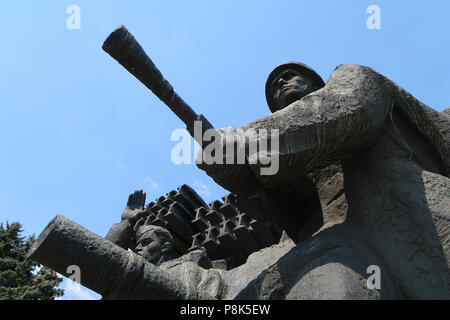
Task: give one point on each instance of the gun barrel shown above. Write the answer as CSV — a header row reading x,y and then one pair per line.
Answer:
x,y
104,267
123,47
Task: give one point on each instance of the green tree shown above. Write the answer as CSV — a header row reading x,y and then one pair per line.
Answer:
x,y
18,277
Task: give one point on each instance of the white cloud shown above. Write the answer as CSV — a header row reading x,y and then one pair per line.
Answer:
x,y
120,165
154,184
201,188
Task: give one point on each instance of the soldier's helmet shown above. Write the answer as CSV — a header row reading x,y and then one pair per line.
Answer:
x,y
298,66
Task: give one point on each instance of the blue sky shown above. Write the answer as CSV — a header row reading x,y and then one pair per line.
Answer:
x,y
78,133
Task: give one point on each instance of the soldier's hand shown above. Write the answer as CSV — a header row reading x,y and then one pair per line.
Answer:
x,y
135,207
225,160
221,156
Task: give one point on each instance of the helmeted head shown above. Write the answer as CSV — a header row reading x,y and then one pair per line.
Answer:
x,y
290,82
154,244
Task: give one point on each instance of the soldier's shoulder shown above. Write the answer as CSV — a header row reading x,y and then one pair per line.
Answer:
x,y
446,112
354,68
350,75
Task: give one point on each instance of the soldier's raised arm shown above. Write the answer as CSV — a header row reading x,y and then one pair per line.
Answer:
x,y
327,125
121,233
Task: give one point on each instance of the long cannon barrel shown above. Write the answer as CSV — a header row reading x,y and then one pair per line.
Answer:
x,y
123,47
104,267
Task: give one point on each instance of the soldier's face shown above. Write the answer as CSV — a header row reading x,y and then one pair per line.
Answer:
x,y
289,86
150,246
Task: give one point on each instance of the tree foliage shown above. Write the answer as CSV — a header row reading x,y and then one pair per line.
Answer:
x,y
22,278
